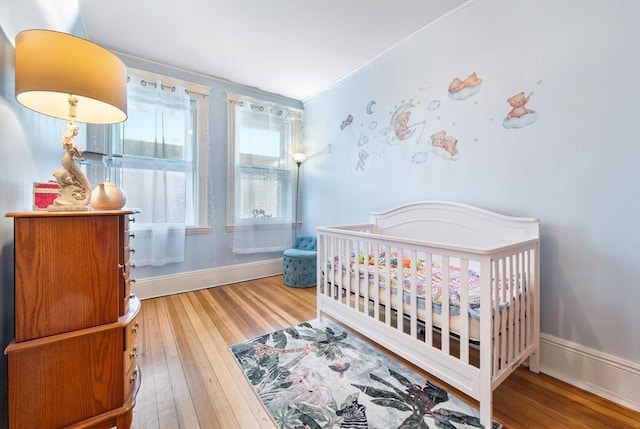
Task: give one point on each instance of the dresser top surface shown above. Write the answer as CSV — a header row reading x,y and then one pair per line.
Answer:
x,y
71,213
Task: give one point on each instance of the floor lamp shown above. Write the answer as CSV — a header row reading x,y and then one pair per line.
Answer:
x,y
68,77
298,158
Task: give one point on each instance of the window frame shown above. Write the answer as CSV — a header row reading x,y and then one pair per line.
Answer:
x,y
109,137
286,167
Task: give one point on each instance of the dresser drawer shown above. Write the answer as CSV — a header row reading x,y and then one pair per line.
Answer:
x,y
126,281
66,274
132,380
132,331
63,379
131,350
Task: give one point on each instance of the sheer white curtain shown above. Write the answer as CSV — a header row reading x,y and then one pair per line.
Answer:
x,y
156,162
261,137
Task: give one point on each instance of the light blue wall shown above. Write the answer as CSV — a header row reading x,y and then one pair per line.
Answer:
x,y
575,167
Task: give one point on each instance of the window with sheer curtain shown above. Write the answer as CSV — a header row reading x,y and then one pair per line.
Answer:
x,y
262,137
158,158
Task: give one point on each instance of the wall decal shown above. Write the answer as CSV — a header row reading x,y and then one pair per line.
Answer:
x,y
399,129
402,130
433,105
519,116
444,145
408,123
363,140
346,122
419,157
460,90
371,107
362,156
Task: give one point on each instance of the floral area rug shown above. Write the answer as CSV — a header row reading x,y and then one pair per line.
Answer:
x,y
319,375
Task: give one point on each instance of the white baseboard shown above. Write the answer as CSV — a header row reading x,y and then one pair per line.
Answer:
x,y
153,287
600,373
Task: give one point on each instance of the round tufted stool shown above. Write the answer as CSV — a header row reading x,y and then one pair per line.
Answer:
x,y
299,263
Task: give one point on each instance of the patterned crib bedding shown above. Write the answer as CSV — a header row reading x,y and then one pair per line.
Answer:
x,y
455,281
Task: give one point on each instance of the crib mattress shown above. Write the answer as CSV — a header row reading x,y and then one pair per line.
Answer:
x,y
455,319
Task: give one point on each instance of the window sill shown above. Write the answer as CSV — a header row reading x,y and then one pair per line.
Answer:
x,y
190,230
195,230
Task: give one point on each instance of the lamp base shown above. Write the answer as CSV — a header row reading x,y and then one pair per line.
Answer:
x,y
73,194
75,189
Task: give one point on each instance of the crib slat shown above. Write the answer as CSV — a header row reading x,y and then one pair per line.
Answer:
x,y
444,299
321,280
332,271
495,311
504,315
414,294
518,294
360,285
339,273
331,253
375,249
509,285
346,286
529,310
464,310
387,286
428,299
399,291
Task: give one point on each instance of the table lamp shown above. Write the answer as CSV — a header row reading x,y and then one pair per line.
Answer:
x,y
68,77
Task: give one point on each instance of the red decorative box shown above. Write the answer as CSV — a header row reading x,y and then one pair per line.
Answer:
x,y
44,193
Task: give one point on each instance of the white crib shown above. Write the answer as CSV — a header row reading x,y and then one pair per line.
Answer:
x,y
478,269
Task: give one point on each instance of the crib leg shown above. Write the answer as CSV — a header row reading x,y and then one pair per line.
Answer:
x,y
534,361
486,410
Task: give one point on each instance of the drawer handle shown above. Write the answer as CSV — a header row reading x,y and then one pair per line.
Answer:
x,y
132,250
134,353
132,235
133,377
132,295
132,280
123,269
135,328
132,219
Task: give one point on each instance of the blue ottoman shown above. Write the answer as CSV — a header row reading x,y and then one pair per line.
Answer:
x,y
299,263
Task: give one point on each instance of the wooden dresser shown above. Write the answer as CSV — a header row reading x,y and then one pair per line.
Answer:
x,y
73,359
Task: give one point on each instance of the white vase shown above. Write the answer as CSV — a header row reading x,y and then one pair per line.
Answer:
x,y
107,196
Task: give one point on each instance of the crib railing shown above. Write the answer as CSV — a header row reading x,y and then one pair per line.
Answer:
x,y
356,270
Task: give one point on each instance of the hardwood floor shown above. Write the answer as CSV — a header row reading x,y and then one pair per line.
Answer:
x,y
190,380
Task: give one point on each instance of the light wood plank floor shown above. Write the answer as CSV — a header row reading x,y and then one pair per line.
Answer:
x,y
190,380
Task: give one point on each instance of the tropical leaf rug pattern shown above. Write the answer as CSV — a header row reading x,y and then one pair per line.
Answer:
x,y
319,375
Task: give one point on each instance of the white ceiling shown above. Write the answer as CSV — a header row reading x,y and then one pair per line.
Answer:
x,y
294,48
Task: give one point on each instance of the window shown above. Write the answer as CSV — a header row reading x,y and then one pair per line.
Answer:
x,y
262,137
158,155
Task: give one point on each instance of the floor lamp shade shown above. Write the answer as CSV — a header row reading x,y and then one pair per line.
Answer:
x,y
52,66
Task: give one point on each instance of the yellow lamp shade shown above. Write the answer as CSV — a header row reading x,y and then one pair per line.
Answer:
x,y
52,66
